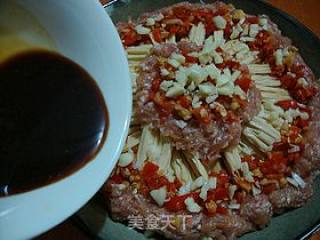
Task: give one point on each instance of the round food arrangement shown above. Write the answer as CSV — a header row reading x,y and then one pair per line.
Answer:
x,y
225,126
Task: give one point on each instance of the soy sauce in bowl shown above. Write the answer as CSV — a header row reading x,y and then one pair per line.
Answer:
x,y
53,120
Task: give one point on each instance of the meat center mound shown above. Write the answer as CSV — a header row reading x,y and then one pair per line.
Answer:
x,y
198,105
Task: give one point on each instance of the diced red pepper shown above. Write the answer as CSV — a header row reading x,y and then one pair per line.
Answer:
x,y
223,178
219,193
176,203
191,59
304,94
281,146
184,101
301,123
223,10
267,189
210,28
252,162
156,181
222,210
116,178
156,33
294,157
276,176
287,104
199,118
149,169
155,85
129,38
276,163
253,20
294,132
244,83
171,188
151,177
227,30
169,67
298,70
177,183
288,81
181,12
173,29
240,196
165,105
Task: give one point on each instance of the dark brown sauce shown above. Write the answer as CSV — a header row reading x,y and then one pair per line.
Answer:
x,y
53,120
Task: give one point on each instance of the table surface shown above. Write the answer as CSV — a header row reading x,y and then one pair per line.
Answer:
x,y
306,11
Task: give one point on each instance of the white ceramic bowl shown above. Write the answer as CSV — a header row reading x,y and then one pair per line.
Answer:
x,y
82,31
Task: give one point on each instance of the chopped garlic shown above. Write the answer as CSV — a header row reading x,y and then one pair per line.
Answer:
x,y
211,99
208,46
247,39
235,75
303,82
142,30
181,75
159,195
254,30
256,191
220,108
213,71
210,184
150,22
217,57
234,206
175,90
174,62
235,33
180,58
164,72
220,22
186,188
197,183
278,57
232,189
181,124
233,159
196,101
245,31
263,21
126,158
222,80
246,172
191,205
207,89
218,38
197,34
227,89
298,179
165,85
197,74
205,59
292,182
